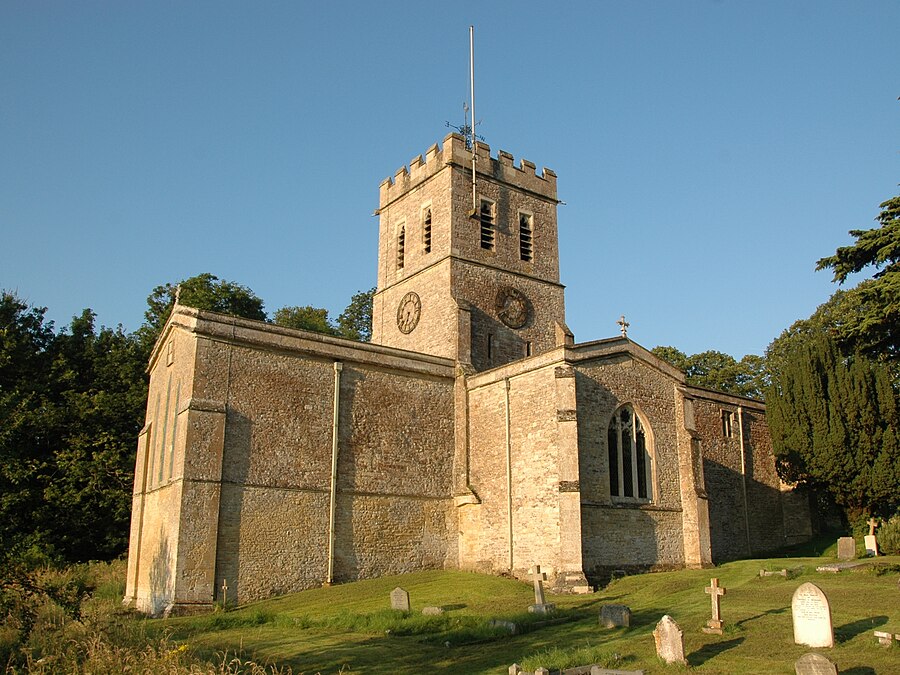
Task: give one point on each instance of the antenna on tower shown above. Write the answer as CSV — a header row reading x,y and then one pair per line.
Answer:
x,y
472,83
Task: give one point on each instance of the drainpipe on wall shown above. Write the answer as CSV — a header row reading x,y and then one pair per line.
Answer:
x,y
744,478
509,503
338,366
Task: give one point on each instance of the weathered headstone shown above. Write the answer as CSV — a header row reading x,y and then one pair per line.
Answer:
x,y
812,617
508,626
515,669
597,670
615,616
432,611
540,606
541,671
778,573
400,599
814,664
714,625
846,548
669,640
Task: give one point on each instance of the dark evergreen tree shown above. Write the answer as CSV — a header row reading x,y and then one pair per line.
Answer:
x,y
355,322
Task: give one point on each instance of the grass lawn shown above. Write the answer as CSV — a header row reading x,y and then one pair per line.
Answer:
x,y
350,628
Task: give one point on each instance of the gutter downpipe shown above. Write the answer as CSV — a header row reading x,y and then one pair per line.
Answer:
x,y
338,366
509,502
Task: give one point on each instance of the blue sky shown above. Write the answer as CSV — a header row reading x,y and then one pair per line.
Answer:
x,y
708,152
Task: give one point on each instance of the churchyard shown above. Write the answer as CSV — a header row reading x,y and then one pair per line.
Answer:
x,y
735,618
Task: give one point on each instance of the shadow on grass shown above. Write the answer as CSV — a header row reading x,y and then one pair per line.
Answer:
x,y
450,608
850,630
707,652
777,610
859,670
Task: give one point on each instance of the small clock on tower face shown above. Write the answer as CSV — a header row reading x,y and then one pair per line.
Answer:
x,y
513,307
408,313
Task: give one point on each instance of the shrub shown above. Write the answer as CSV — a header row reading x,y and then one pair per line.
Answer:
x,y
889,536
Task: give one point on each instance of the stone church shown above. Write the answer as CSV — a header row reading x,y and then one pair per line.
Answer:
x,y
472,433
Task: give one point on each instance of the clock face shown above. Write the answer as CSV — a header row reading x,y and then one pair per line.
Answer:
x,y
408,313
513,307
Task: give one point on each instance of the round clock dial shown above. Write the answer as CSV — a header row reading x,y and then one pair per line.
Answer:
x,y
408,312
513,307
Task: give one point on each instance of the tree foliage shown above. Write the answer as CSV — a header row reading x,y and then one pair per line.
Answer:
x,y
716,370
355,322
834,421
306,318
874,325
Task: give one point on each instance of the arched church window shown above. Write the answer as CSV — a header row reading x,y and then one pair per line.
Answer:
x,y
630,457
401,247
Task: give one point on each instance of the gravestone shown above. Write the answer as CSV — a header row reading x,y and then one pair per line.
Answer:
x,y
714,625
540,606
846,548
597,670
432,611
669,641
615,616
884,638
505,625
515,669
812,617
814,664
400,599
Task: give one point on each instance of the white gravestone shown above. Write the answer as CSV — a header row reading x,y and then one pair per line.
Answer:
x,y
812,617
669,641
540,606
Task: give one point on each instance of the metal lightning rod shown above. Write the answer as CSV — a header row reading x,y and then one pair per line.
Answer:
x,y
472,84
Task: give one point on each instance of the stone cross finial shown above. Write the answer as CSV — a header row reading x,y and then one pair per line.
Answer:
x,y
872,525
178,294
623,324
714,625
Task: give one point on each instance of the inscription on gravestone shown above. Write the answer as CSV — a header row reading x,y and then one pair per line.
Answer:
x,y
812,617
400,599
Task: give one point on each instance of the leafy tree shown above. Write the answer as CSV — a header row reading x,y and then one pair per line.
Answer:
x,y
834,421
719,371
874,325
355,322
204,291
306,318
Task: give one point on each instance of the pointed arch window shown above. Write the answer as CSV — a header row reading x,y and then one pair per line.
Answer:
x,y
630,457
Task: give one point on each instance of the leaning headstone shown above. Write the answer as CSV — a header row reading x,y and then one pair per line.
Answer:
x,y
432,611
669,641
814,664
540,606
615,616
846,548
812,617
400,599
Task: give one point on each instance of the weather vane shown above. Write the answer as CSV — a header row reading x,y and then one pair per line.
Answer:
x,y
465,129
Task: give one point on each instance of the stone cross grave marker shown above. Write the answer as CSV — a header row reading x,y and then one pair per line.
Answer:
x,y
812,617
714,625
870,541
846,548
224,592
814,664
669,641
400,599
540,606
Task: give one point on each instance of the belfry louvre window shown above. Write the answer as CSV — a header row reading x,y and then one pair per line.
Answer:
x,y
630,462
526,230
426,230
401,247
487,218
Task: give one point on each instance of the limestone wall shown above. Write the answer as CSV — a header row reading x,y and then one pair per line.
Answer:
x,y
616,532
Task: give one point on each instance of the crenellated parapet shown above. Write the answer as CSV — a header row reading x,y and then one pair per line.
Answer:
x,y
455,153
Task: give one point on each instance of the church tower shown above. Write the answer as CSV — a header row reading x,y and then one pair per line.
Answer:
x,y
474,278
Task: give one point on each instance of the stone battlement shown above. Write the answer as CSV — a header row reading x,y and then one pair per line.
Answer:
x,y
455,153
